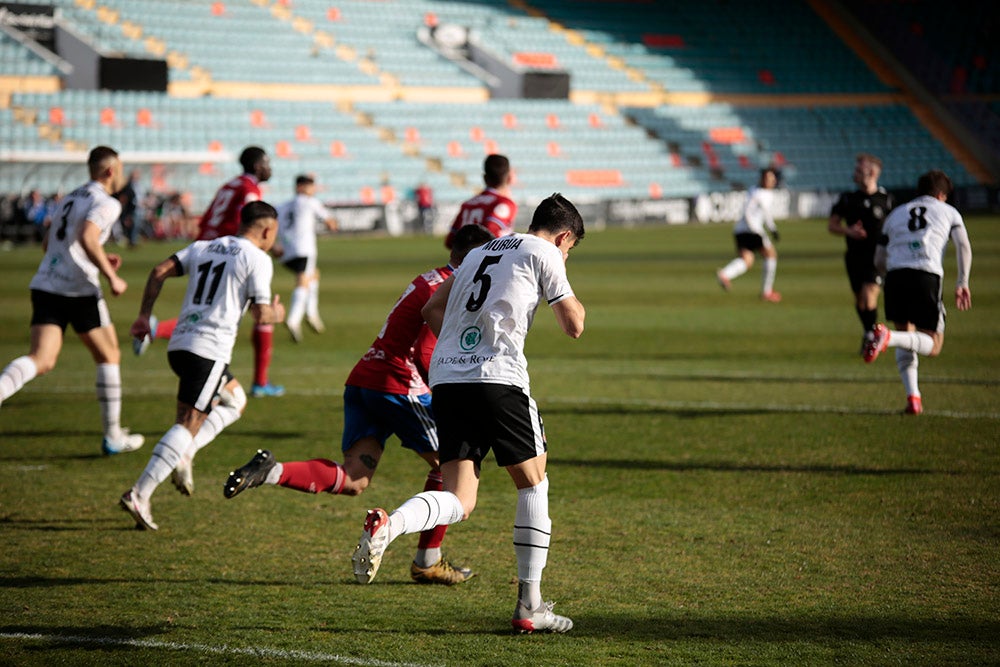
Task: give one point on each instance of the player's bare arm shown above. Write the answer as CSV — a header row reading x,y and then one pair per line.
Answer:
x,y
90,240
433,310
570,315
272,313
168,268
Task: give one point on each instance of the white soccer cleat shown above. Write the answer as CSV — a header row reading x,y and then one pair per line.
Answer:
x,y
183,476
315,323
371,547
295,330
139,510
127,442
139,346
539,620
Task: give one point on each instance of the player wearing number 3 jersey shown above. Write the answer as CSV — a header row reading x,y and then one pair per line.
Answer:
x,y
492,209
225,275
910,251
481,400
66,290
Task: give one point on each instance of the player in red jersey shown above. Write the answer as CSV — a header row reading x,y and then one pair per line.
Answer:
x,y
386,393
223,219
492,209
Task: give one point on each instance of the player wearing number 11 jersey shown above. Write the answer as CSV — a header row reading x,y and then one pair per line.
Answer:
x,y
225,275
910,251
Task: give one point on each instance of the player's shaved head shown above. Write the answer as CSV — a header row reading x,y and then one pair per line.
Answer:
x,y
100,159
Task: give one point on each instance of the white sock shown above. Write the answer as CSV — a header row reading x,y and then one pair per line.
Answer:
x,y
109,395
166,454
424,511
427,557
914,341
275,475
907,362
532,534
312,307
767,278
219,418
734,269
297,309
18,373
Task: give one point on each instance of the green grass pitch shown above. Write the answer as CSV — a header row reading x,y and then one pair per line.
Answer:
x,y
730,483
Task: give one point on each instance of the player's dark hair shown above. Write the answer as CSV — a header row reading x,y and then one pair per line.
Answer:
x,y
557,214
935,182
249,158
98,159
254,211
304,179
467,238
496,168
772,170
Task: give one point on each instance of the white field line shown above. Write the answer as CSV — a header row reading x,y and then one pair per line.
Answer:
x,y
254,652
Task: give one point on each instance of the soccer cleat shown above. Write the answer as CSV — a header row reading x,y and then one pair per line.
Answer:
x,y
914,406
295,330
878,340
183,476
540,619
264,390
128,442
374,541
771,297
441,572
724,282
139,346
138,509
251,475
315,323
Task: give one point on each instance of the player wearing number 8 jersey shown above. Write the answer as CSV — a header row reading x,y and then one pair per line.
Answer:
x,y
910,252
482,401
66,290
225,275
492,209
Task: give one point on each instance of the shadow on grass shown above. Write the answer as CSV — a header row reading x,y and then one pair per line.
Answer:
x,y
700,466
58,525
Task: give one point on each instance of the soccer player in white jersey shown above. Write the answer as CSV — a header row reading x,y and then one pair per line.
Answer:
x,y
482,401
66,290
297,220
751,233
914,238
226,274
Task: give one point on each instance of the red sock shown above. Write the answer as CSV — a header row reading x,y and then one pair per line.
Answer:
x,y
165,329
315,476
432,539
263,340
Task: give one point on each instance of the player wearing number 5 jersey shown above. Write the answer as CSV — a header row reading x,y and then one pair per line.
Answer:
x,y
910,252
492,209
225,275
66,290
482,401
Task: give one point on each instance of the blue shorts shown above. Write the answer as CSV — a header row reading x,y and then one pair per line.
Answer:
x,y
378,414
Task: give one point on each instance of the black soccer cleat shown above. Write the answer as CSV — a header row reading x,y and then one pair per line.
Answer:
x,y
254,473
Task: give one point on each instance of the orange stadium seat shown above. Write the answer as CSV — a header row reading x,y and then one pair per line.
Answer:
x,y
108,117
57,116
476,133
594,177
144,117
552,121
303,133
337,148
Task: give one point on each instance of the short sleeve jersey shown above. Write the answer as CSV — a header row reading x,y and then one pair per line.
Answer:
x,y
916,234
490,210
65,269
870,210
223,215
225,275
490,308
298,218
392,364
756,218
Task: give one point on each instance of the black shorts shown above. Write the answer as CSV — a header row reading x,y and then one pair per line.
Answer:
x,y
83,312
200,378
861,270
748,241
472,419
914,296
297,264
